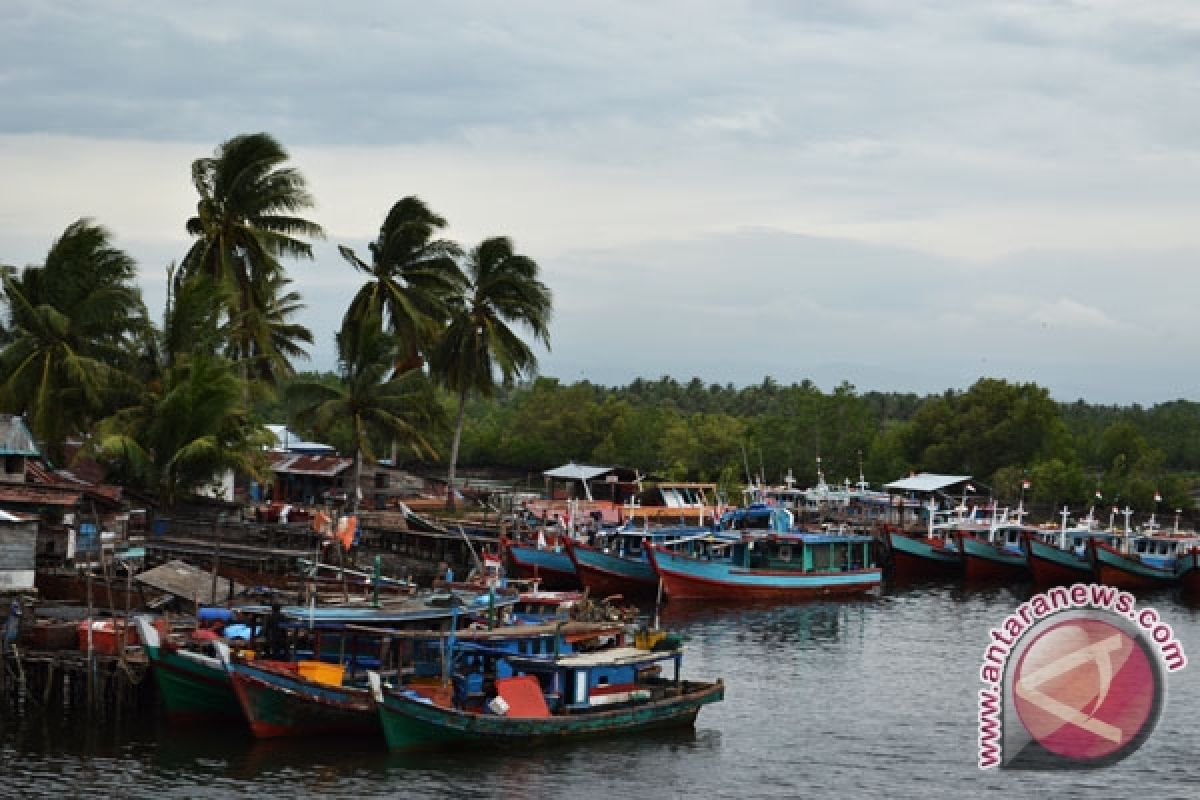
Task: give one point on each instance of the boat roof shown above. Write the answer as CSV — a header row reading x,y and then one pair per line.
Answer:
x,y
577,472
615,655
925,482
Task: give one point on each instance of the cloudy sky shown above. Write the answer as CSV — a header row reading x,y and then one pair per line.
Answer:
x,y
906,196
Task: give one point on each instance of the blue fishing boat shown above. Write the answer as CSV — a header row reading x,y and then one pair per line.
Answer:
x,y
544,560
768,560
616,564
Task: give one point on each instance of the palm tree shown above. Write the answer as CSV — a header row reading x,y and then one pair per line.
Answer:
x,y
267,320
77,323
189,426
502,290
245,222
410,277
374,401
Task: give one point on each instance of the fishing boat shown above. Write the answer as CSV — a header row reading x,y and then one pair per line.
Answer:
x,y
544,560
300,698
1147,562
194,686
933,554
556,698
1187,572
1061,558
995,551
768,560
536,605
617,564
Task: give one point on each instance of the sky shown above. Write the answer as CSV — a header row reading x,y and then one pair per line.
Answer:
x,y
903,196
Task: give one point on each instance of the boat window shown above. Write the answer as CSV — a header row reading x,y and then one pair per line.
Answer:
x,y
1141,547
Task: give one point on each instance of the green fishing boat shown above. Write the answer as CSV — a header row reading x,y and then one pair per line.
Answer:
x,y
561,698
194,687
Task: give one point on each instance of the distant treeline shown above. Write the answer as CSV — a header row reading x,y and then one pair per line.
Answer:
x,y
1002,434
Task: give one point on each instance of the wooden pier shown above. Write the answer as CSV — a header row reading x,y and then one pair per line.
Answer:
x,y
102,684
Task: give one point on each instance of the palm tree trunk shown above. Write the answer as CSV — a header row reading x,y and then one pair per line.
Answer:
x,y
357,480
458,429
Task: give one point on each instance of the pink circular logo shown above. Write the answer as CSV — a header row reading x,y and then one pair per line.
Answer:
x,y
1085,689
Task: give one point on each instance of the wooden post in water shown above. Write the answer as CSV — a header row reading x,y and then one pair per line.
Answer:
x,y
212,597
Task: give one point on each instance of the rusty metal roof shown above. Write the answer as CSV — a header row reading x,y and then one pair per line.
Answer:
x,y
324,466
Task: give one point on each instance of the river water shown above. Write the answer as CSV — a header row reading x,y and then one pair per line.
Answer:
x,y
871,698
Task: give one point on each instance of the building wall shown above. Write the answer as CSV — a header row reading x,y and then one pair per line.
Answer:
x,y
18,541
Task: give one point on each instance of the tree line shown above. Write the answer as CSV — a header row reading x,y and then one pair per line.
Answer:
x,y
1002,434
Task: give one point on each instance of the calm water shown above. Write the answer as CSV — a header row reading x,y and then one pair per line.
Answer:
x,y
866,699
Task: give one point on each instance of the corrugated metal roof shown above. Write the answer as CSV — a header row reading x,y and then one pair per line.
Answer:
x,y
925,482
577,472
294,464
15,439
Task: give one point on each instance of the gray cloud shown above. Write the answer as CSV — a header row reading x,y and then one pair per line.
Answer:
x,y
903,195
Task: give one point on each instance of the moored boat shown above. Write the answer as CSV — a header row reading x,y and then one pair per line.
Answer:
x,y
935,554
994,551
769,560
556,699
617,563
1187,572
921,557
544,561
1060,558
301,698
1146,563
194,686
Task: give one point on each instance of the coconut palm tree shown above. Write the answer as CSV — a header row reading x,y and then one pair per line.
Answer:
x,y
375,401
245,223
76,324
502,290
267,320
410,277
189,426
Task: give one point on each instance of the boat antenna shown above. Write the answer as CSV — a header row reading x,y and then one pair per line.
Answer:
x,y
746,464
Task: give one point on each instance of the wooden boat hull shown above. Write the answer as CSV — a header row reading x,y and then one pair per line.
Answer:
x,y
605,574
686,578
1114,568
551,568
409,724
277,703
986,563
1051,566
920,559
192,690
1188,572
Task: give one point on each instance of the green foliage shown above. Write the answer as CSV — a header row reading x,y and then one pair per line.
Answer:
x,y
372,402
186,429
412,277
77,324
245,223
992,425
